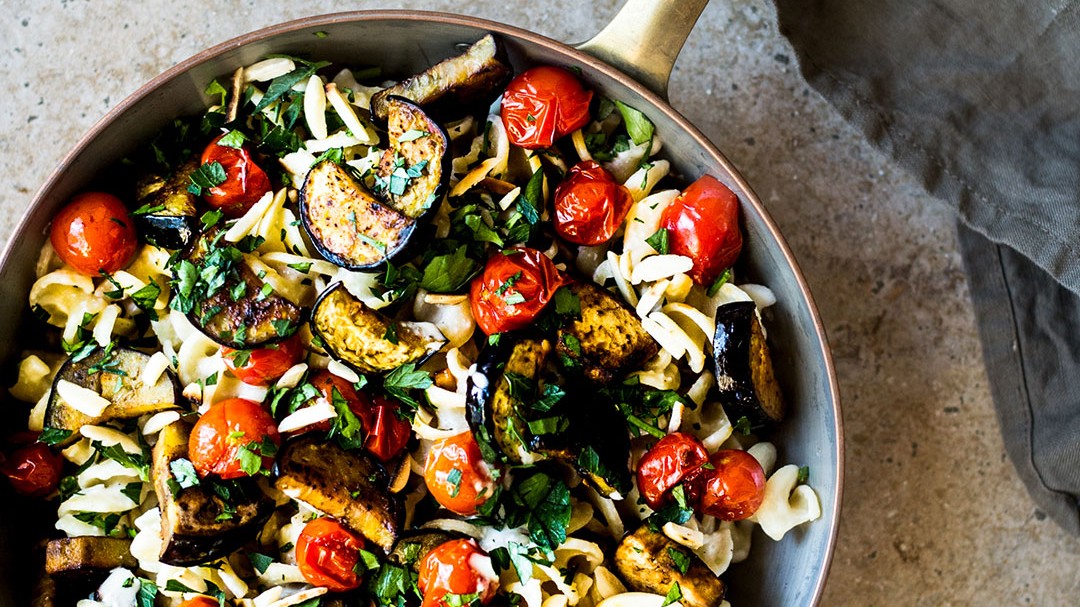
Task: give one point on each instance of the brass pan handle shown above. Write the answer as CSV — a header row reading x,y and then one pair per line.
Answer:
x,y
645,37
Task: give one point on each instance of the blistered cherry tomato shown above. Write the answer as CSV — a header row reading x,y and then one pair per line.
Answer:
x,y
589,205
542,104
200,601
450,568
33,470
703,224
513,289
734,488
385,434
328,554
94,234
245,183
456,475
674,459
224,431
263,366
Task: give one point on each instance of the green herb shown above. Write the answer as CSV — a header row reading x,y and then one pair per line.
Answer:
x,y
284,84
148,209
210,219
116,293
659,241
514,299
804,475
673,595
532,198
391,334
412,135
567,303
552,394
545,501
321,34
335,155
240,358
347,427
368,561
137,462
404,378
454,478
282,326
461,600
215,88
493,339
724,277
638,126
260,562
742,425
133,491
148,591
233,139
509,282
680,559
183,471
548,425
106,522
146,298
54,436
301,267
175,586
393,586
207,176
450,272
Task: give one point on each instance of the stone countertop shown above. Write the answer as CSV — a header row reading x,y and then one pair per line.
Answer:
x,y
933,512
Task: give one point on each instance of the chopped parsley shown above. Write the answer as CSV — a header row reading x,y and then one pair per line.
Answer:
x,y
207,176
659,241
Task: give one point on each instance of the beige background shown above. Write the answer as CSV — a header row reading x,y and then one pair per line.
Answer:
x,y
933,512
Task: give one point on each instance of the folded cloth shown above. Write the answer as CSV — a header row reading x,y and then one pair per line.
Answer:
x,y
979,99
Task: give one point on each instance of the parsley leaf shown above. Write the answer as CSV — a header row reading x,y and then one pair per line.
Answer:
x,y
54,436
659,241
347,427
724,277
260,561
638,126
450,272
674,594
232,139
148,591
207,176
680,559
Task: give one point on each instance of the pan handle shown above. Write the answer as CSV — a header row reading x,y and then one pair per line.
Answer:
x,y
644,39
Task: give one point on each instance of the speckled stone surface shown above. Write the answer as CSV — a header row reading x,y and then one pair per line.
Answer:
x,y
933,512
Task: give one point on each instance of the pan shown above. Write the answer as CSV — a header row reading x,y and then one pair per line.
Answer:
x,y
631,60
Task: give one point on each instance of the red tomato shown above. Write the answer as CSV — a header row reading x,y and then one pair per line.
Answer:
x,y
703,224
33,470
94,234
263,366
513,289
227,428
733,490
542,104
589,205
450,568
328,554
674,459
245,183
456,475
200,601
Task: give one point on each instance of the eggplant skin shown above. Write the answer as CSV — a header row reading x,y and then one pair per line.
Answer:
x,y
347,224
176,224
607,339
744,369
455,86
347,485
86,557
644,563
190,530
357,336
424,150
413,546
128,397
248,321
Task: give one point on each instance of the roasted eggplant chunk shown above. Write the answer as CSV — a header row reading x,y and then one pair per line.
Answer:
x,y
607,339
171,220
347,485
198,524
413,546
643,560
455,86
117,377
744,369
87,557
233,310
413,171
348,224
366,340
516,418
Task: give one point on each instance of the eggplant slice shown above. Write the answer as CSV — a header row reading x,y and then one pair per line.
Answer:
x,y
644,561
234,316
413,171
454,87
744,369
346,223
413,546
348,485
607,340
87,557
197,523
365,339
172,221
117,378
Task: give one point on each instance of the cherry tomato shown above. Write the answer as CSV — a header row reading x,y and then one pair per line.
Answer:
x,y
227,429
703,224
513,289
542,104
328,554
33,470
456,475
263,366
94,234
450,568
674,459
733,490
589,205
200,601
245,183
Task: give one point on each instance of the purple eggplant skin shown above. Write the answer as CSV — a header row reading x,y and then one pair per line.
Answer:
x,y
173,220
744,371
486,396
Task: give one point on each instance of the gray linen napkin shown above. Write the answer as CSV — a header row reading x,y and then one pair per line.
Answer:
x,y
981,100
